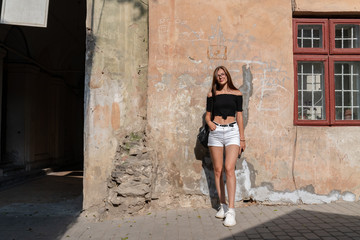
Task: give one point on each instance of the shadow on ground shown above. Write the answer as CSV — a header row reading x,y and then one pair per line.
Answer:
x,y
43,208
300,224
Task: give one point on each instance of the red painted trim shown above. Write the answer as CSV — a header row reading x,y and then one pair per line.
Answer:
x,y
325,34
334,50
332,89
318,58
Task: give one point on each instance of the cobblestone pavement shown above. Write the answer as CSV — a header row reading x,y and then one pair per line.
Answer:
x,y
324,221
49,208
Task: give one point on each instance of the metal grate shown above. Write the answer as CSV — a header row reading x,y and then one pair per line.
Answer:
x,y
346,36
309,36
311,94
347,90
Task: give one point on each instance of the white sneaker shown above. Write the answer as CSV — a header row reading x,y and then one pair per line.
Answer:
x,y
230,218
222,210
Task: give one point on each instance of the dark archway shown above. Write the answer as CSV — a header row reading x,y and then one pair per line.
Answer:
x,y
42,103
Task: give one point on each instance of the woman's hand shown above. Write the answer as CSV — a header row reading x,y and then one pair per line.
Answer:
x,y
242,147
212,126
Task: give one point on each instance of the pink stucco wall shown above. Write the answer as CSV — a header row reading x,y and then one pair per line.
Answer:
x,y
188,39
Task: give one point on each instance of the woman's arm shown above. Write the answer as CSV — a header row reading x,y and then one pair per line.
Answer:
x,y
240,122
208,121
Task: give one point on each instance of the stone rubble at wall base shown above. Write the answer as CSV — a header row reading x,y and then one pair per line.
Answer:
x,y
130,184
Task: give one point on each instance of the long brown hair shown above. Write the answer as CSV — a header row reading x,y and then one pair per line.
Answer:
x,y
214,85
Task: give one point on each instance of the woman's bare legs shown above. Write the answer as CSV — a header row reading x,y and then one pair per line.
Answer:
x,y
217,156
231,155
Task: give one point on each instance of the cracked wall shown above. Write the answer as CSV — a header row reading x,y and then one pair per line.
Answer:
x,y
115,88
253,39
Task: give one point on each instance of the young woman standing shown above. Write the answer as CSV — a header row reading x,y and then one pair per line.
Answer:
x,y
224,103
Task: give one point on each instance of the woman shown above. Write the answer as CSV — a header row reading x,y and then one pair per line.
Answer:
x,y
224,118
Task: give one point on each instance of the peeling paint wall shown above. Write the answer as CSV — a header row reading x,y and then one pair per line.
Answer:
x,y
185,47
326,6
115,87
187,40
253,39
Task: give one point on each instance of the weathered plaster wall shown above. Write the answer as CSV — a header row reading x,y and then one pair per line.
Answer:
x,y
323,6
253,39
188,39
185,46
328,158
115,87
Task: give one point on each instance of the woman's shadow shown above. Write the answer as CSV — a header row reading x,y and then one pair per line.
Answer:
x,y
202,153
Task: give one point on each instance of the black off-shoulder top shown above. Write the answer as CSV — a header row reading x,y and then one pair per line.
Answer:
x,y
224,105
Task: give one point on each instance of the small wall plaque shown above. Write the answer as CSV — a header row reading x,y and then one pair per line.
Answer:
x,y
217,52
25,12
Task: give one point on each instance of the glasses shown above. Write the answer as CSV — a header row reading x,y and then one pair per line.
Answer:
x,y
221,75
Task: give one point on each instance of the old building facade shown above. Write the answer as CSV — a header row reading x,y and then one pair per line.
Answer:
x,y
148,66
154,88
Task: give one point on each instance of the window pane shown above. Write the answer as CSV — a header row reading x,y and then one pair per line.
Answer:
x,y
318,98
300,96
356,99
356,84
311,94
307,100
347,114
306,43
347,99
338,113
337,44
318,112
306,32
346,82
338,99
309,36
307,67
338,68
317,32
347,36
356,113
300,113
316,42
338,83
347,90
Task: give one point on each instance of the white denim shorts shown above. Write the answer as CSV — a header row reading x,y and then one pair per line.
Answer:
x,y
224,135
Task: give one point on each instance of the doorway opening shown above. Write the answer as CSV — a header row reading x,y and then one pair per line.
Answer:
x,y
42,95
